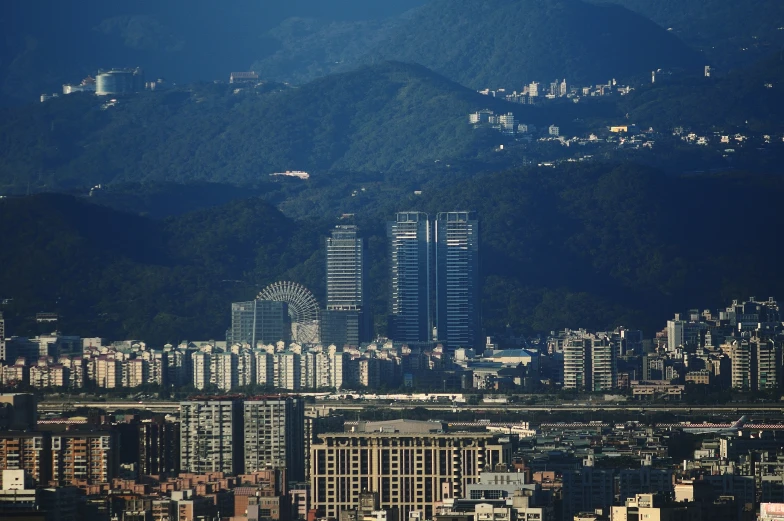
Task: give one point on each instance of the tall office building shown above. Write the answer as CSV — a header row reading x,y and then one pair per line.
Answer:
x,y
457,279
345,269
410,250
345,320
211,436
274,435
257,321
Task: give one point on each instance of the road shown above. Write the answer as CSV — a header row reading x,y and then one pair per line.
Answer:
x,y
323,408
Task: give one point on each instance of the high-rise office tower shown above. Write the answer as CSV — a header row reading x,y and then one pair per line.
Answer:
x,y
345,320
410,250
344,269
262,321
211,436
274,435
457,279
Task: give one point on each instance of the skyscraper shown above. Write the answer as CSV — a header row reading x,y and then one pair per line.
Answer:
x,y
410,250
262,321
344,269
274,435
345,320
457,279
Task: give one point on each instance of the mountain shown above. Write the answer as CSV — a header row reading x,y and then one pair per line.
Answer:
x,y
46,44
116,274
745,99
588,245
730,33
494,43
391,116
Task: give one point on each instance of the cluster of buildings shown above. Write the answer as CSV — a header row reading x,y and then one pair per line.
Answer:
x,y
267,458
740,347
508,124
535,91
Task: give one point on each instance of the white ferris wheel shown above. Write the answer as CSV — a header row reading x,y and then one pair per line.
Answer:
x,y
303,309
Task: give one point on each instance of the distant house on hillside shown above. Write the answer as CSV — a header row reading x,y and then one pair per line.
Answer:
x,y
244,77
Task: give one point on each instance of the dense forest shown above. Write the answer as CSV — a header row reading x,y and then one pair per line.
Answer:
x,y
580,246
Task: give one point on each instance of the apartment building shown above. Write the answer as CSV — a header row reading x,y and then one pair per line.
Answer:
x,y
274,429
412,465
211,436
84,458
28,451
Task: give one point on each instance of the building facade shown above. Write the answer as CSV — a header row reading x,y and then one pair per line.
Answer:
x,y
211,436
274,429
410,293
259,321
457,279
84,458
409,470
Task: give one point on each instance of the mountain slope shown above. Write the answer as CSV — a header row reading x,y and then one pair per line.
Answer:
x,y
46,44
591,245
110,273
731,33
390,116
508,42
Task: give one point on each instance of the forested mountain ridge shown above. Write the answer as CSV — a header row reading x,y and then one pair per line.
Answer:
x,y
495,43
730,33
590,246
390,116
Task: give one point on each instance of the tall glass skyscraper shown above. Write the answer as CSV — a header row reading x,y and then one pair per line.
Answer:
x,y
345,284
410,250
457,279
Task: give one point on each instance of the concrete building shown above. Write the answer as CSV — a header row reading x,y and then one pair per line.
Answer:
x,y
341,327
119,81
604,369
345,269
201,370
224,374
2,338
287,371
28,451
18,411
656,507
84,458
274,435
345,320
159,448
211,436
586,490
259,321
410,238
577,364
458,289
410,467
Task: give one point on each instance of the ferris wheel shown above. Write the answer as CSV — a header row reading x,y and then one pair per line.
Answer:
x,y
303,309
